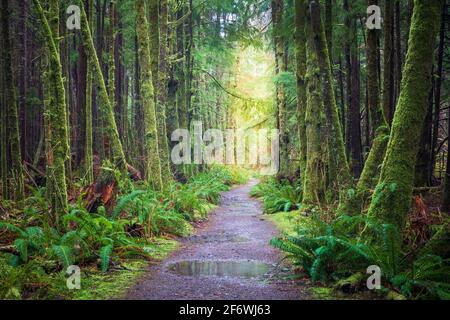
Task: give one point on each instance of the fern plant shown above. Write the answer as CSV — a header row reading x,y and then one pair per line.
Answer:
x,y
330,252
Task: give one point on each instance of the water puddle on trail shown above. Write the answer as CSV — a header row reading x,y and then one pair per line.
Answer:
x,y
241,269
206,238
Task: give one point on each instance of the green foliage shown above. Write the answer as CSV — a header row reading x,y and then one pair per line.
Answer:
x,y
277,197
329,252
102,238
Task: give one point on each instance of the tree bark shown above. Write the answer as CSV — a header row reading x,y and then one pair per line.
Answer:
x,y
336,145
388,79
57,148
106,108
88,148
300,54
153,172
392,198
280,67
370,173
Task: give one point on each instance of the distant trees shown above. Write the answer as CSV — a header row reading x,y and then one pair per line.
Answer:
x,y
12,172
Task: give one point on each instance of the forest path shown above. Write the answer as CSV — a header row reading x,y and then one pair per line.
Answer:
x,y
228,257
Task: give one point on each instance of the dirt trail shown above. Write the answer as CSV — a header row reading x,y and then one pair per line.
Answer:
x,y
228,257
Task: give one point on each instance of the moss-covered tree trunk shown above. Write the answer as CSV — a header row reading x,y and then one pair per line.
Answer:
x,y
313,181
392,198
336,146
280,67
180,69
14,173
3,133
158,38
88,149
111,53
153,172
388,64
57,148
300,54
371,171
106,109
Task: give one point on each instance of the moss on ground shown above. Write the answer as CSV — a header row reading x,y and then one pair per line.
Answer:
x,y
114,284
31,281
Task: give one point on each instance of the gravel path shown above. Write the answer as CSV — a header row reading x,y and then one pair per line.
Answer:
x,y
228,257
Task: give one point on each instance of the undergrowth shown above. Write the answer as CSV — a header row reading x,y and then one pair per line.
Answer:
x,y
277,197
34,254
337,253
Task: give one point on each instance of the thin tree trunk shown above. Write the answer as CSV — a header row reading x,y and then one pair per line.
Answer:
x,y
280,67
300,54
106,108
388,79
88,149
370,173
437,93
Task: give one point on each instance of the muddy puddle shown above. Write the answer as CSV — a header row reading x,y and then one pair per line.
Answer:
x,y
238,269
211,238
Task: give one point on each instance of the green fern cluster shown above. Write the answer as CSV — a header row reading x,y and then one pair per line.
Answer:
x,y
101,238
330,252
278,197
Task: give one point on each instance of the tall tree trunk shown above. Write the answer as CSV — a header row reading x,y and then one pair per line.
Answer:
x,y
370,173
353,129
329,27
153,172
15,182
181,66
111,57
158,38
398,50
57,150
313,181
88,148
392,199
300,54
437,92
106,108
388,79
280,67
336,143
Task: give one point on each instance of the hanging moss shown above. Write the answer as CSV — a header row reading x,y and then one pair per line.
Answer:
x,y
392,198
106,109
153,172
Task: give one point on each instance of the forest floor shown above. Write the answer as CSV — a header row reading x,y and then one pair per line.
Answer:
x,y
227,257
